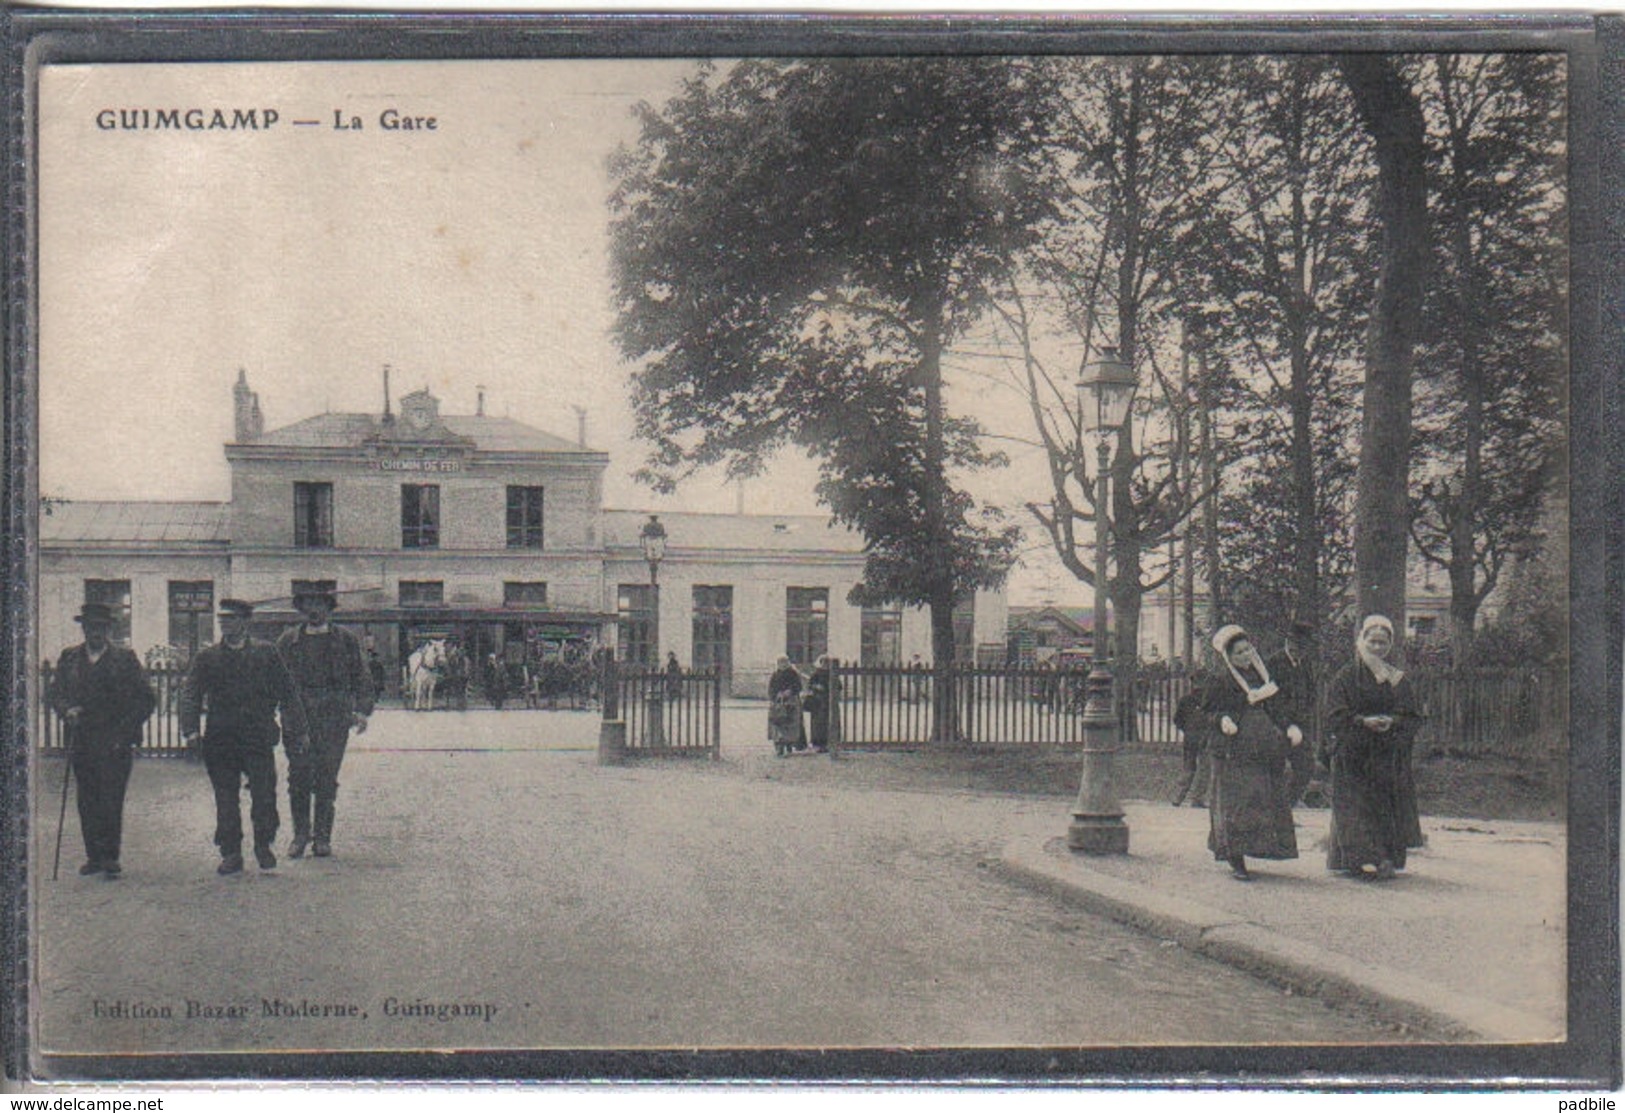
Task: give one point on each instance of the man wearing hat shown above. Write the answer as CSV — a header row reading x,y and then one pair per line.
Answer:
x,y
330,671
102,694
1292,668
241,685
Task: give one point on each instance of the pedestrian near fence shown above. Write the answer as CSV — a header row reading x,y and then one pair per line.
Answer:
x,y
1291,668
330,672
823,692
1250,733
786,728
1193,728
235,691
102,694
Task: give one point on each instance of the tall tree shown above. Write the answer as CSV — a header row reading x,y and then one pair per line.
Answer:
x,y
1391,113
1134,163
1285,257
1489,421
795,244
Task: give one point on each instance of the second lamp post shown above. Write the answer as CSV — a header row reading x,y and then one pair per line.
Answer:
x,y
653,537
1104,393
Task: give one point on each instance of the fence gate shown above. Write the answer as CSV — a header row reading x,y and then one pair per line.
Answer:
x,y
661,714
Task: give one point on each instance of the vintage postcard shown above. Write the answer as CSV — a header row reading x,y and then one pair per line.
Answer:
x,y
1060,558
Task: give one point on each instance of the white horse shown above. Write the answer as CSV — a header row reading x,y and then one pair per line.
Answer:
x,y
423,671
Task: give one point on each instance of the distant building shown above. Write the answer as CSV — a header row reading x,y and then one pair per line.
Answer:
x,y
1040,634
475,527
1163,627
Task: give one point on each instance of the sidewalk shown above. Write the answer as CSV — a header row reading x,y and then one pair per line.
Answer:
x,y
1468,943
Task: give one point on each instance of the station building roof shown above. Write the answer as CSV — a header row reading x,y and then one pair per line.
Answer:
x,y
352,430
154,523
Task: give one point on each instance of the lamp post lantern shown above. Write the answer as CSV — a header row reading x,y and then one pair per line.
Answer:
x,y
653,538
1104,392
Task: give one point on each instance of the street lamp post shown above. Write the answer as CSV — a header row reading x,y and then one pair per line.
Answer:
x,y
1104,393
653,538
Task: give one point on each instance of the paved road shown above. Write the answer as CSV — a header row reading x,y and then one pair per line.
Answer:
x,y
494,887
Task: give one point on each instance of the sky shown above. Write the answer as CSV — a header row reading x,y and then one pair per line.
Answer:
x,y
470,255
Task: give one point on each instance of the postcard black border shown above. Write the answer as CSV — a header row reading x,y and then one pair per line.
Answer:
x,y
1588,1059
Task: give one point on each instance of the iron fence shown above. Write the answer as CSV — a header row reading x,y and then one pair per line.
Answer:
x,y
883,706
1468,712
670,714
1483,712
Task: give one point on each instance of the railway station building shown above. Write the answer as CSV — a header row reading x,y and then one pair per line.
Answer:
x,y
481,528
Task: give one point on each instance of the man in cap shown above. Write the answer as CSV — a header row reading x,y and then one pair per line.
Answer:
x,y
102,694
1293,671
241,685
330,671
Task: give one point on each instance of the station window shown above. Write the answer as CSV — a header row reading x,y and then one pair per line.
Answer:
x,y
806,624
525,517
635,608
518,593
881,637
422,593
191,615
965,631
420,516
713,627
313,515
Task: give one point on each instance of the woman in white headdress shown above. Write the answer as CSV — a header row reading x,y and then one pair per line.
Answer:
x,y
1251,734
1371,721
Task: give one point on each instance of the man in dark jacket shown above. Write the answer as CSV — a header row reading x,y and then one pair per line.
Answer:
x,y
330,671
1292,670
102,694
241,684
1192,728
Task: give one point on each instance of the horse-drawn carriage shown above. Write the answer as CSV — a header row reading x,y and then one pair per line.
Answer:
x,y
559,667
549,668
436,669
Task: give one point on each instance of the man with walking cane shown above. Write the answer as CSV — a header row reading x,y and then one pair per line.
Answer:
x,y
101,692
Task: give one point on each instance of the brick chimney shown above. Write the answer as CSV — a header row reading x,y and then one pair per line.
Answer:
x,y
248,421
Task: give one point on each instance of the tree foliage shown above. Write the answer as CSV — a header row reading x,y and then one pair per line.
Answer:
x,y
798,245
1288,269
795,244
1489,407
1133,169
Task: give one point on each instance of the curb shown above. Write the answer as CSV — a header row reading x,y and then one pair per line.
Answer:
x,y
1435,1010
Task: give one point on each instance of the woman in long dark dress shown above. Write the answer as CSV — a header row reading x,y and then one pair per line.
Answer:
x,y
1371,721
822,690
1250,734
785,727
